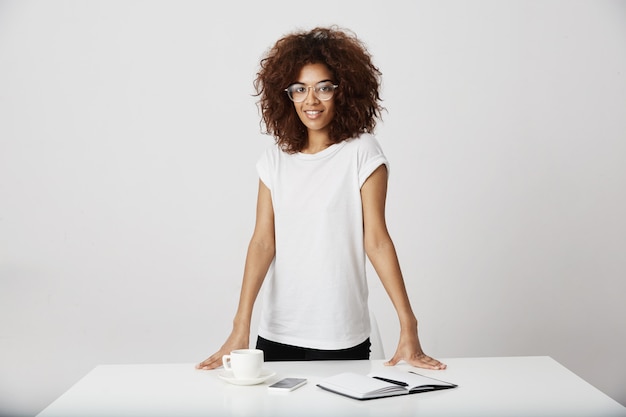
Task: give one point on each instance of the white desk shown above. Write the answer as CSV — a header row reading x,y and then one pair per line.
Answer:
x,y
502,387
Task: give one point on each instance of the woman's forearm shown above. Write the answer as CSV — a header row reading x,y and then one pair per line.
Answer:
x,y
258,261
382,255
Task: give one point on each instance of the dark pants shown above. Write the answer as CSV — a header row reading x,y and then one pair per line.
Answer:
x,y
280,352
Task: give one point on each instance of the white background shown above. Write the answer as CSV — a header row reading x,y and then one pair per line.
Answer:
x,y
129,134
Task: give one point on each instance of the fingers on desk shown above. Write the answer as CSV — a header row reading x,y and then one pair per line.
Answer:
x,y
421,361
211,362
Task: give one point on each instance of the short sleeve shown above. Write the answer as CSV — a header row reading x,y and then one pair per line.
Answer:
x,y
371,156
264,164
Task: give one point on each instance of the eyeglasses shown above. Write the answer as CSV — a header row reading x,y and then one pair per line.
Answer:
x,y
323,90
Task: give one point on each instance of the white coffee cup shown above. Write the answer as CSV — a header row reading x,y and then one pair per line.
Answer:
x,y
244,363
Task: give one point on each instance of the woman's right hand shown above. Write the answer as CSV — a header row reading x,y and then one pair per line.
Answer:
x,y
236,340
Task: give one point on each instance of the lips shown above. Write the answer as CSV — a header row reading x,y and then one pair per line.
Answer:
x,y
312,114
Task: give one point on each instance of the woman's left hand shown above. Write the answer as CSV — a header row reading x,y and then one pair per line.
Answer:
x,y
410,350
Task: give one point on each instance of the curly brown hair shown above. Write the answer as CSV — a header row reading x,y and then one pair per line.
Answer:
x,y
357,100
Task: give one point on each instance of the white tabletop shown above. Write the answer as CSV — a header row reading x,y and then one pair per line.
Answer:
x,y
499,386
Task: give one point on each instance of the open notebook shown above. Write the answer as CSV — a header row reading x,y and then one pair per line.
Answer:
x,y
382,383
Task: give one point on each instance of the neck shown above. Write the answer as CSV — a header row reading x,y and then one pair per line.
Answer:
x,y
316,142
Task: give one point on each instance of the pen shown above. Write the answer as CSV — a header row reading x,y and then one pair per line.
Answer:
x,y
391,381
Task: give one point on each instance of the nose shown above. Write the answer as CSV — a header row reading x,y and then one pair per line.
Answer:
x,y
310,95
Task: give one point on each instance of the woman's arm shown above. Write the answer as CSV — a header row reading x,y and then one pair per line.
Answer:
x,y
382,253
260,254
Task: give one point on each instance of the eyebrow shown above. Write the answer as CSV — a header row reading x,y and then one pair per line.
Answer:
x,y
323,81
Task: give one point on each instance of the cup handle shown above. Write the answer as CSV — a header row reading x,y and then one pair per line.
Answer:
x,y
226,362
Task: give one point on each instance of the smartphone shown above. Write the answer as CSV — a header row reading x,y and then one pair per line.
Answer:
x,y
287,384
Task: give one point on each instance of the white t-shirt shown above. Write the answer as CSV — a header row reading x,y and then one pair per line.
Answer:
x,y
316,289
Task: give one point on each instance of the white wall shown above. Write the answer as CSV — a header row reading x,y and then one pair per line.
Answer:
x,y
128,137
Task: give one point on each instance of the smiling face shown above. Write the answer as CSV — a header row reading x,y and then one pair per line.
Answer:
x,y
314,113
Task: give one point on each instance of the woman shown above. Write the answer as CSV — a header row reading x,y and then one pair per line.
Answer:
x,y
320,209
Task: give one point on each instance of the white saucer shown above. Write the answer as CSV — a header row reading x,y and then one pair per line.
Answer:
x,y
229,377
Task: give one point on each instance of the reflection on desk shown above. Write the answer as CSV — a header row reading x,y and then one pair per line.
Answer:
x,y
499,386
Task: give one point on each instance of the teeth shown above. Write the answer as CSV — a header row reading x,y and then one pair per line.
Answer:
x,y
312,112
